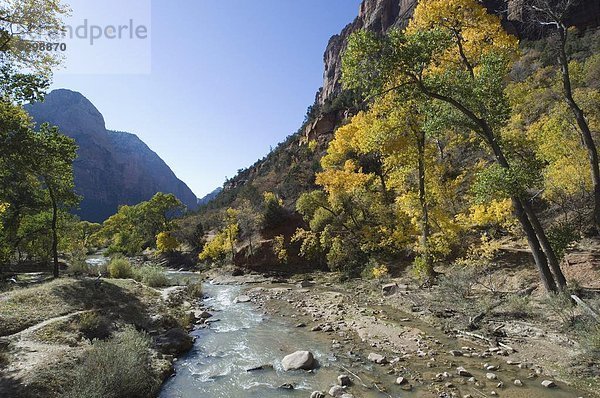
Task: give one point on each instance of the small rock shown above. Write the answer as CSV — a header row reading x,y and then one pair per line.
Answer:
x,y
401,381
491,376
549,384
317,394
204,315
344,380
261,367
389,289
463,372
301,325
336,391
518,383
347,396
286,386
456,353
377,358
242,299
305,284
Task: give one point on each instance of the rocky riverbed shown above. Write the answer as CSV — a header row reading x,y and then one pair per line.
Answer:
x,y
381,346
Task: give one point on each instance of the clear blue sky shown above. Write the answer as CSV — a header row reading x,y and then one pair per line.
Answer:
x,y
229,79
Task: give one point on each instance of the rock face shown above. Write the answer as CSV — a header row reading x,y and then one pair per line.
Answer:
x,y
379,16
300,360
113,168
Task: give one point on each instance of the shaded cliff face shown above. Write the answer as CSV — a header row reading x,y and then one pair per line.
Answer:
x,y
382,15
112,168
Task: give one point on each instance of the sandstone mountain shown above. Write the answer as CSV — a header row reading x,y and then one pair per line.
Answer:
x,y
381,15
113,168
290,169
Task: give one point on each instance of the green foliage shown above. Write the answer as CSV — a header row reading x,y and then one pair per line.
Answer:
x,y
279,249
94,326
274,213
117,368
496,182
151,275
120,268
166,243
135,228
561,236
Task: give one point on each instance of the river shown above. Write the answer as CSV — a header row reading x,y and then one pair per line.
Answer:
x,y
243,339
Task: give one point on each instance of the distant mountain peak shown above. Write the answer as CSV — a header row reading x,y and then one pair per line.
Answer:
x,y
113,168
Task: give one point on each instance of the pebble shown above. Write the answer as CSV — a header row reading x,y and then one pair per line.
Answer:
x,y
377,358
317,394
549,384
336,391
491,376
401,381
344,380
463,372
518,383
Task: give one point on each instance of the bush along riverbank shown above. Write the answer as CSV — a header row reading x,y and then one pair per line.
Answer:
x,y
95,337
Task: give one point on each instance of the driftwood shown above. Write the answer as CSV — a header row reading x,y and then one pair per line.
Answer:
x,y
382,391
474,335
353,374
586,307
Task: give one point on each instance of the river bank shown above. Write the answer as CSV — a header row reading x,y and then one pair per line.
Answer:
x,y
389,344
48,331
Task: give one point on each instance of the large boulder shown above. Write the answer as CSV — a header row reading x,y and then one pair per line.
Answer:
x,y
175,342
304,360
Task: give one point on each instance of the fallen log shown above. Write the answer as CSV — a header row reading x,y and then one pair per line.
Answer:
x,y
586,307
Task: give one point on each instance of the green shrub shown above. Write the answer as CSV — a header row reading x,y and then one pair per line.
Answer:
x,y
151,275
78,268
94,326
120,268
116,368
194,289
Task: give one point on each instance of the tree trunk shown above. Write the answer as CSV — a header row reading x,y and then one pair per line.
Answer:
x,y
250,243
425,227
584,128
529,222
539,257
559,277
54,231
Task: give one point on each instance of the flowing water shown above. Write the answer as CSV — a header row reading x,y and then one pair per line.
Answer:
x,y
243,339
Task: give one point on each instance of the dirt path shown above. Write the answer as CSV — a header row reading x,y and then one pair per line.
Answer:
x,y
30,353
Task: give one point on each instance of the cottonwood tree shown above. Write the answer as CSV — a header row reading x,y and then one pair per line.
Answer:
x,y
457,54
24,23
554,15
56,153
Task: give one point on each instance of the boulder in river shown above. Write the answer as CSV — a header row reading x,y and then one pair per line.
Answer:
x,y
175,342
304,360
317,394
